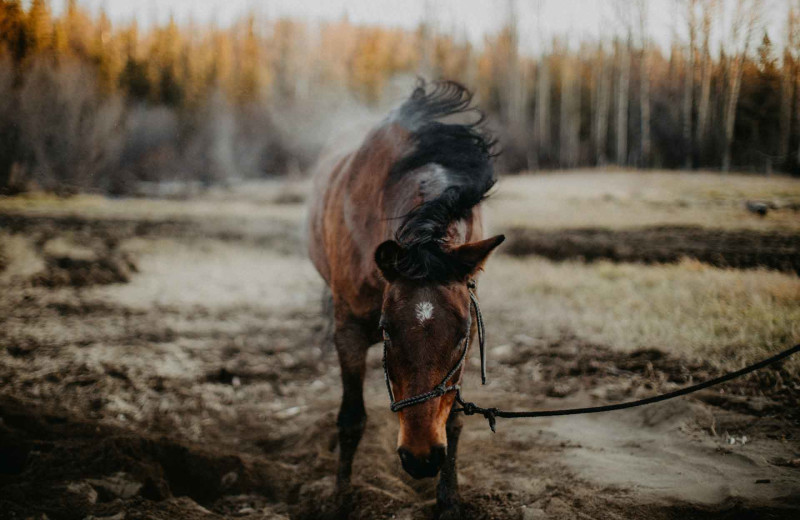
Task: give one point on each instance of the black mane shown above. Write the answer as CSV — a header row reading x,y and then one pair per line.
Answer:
x,y
465,153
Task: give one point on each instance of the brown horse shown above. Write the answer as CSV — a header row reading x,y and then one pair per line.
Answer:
x,y
396,232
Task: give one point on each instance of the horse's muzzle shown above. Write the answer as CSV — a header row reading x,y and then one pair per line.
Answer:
x,y
423,467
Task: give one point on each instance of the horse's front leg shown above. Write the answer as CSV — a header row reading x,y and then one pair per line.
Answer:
x,y
351,346
448,501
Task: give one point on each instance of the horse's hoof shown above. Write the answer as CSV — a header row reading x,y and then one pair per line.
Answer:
x,y
452,511
343,502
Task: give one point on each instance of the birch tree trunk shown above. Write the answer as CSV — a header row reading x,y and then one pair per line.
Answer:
x,y
569,126
623,89
541,120
787,88
705,75
602,108
688,85
644,86
744,23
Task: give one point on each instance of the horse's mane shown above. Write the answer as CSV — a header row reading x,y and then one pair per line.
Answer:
x,y
464,151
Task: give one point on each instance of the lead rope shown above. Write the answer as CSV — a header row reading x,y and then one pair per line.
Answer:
x,y
491,414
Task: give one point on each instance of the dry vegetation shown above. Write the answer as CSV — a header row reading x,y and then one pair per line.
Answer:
x,y
88,103
625,199
725,316
204,387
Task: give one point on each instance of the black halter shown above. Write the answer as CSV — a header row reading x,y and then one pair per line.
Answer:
x,y
442,388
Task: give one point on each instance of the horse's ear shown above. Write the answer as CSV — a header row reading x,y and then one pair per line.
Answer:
x,y
386,256
474,254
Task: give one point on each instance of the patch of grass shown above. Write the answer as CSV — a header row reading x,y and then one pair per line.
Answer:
x,y
274,200
19,257
620,199
727,316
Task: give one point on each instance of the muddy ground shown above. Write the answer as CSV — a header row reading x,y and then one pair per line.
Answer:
x,y
742,249
200,384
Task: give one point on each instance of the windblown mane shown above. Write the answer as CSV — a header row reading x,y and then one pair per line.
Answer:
x,y
464,151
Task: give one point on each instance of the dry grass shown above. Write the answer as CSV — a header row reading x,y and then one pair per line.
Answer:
x,y
619,199
20,260
276,201
690,309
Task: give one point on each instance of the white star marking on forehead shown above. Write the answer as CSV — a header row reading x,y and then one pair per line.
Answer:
x,y
424,311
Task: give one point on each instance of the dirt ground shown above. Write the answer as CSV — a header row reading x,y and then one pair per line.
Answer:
x,y
179,367
743,249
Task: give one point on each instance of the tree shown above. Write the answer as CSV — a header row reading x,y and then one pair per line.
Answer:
x,y
623,89
745,19
541,122
13,29
644,83
688,82
788,84
709,8
603,71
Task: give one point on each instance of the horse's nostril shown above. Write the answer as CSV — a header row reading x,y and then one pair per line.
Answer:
x,y
422,467
404,454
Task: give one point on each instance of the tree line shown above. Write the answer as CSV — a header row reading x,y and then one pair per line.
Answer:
x,y
86,104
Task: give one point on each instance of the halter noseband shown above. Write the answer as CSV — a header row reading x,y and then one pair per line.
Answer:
x,y
442,388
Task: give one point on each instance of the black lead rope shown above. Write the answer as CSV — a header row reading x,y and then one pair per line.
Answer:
x,y
491,414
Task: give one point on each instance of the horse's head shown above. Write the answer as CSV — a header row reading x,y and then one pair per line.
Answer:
x,y
425,323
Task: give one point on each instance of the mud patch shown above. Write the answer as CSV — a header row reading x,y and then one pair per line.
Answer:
x,y
742,249
276,235
68,469
106,268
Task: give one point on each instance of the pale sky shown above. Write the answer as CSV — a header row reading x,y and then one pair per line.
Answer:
x,y
538,20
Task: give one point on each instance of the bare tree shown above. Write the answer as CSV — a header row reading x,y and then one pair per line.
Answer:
x,y
623,54
513,78
709,8
570,113
788,74
541,118
644,82
744,23
623,89
602,105
71,131
688,81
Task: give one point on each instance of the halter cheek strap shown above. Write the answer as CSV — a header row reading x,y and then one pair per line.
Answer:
x,y
443,387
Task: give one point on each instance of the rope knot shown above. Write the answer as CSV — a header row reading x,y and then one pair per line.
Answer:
x,y
439,390
468,408
490,414
472,284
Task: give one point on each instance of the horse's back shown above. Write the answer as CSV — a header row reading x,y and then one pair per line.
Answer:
x,y
347,219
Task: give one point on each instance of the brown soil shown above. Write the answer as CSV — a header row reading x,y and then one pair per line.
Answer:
x,y
205,388
663,244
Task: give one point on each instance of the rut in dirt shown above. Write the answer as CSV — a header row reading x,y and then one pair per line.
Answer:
x,y
742,249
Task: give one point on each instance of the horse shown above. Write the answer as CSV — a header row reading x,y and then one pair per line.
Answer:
x,y
396,232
